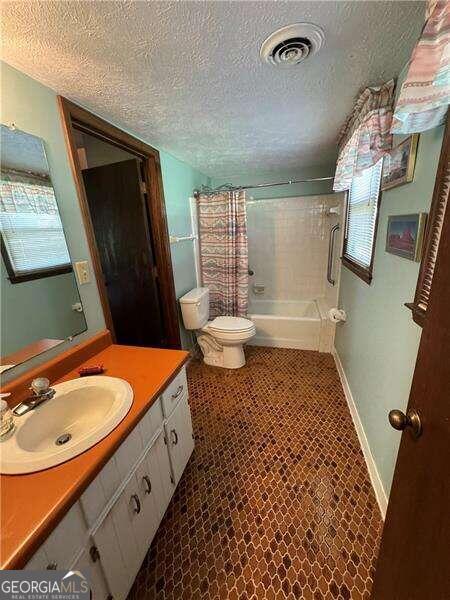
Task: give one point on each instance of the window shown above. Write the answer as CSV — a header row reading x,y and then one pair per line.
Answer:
x,y
33,242
361,221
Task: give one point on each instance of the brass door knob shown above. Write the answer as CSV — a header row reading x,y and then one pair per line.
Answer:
x,y
411,420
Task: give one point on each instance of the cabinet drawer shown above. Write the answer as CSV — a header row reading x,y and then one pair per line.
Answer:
x,y
151,422
174,392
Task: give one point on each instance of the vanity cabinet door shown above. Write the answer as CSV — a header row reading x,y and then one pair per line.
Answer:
x,y
107,541
66,540
145,523
161,461
89,564
151,422
123,514
120,550
179,437
38,562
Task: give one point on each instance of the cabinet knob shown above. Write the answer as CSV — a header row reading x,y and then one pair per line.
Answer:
x,y
137,503
174,435
148,483
94,553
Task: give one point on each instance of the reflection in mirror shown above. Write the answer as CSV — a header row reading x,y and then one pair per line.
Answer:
x,y
40,303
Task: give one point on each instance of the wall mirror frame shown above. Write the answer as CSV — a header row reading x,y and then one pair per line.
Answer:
x,y
41,304
76,119
433,232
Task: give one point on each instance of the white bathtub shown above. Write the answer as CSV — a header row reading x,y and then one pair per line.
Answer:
x,y
299,324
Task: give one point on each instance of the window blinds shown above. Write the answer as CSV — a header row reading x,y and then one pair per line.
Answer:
x,y
31,227
362,214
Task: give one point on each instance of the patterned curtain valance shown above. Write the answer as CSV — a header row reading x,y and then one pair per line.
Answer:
x,y
425,94
366,135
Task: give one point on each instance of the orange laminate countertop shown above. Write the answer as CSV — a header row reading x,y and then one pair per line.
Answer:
x,y
33,504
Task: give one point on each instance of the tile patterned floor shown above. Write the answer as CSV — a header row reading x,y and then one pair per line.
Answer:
x,y
276,501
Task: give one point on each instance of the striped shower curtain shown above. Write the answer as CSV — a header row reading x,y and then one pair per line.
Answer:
x,y
224,251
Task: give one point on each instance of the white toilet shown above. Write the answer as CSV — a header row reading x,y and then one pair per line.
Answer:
x,y
221,339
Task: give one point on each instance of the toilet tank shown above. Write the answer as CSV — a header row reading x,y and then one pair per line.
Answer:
x,y
195,308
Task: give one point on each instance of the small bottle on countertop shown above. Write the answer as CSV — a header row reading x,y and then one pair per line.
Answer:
x,y
6,416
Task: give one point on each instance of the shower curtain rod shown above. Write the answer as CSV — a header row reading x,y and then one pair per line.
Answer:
x,y
228,187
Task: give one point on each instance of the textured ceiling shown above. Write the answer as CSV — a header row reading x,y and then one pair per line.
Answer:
x,y
187,77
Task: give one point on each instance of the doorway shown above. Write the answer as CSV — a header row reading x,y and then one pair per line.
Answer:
x,y
120,190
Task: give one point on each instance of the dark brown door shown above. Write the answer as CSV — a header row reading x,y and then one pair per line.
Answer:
x,y
121,225
414,558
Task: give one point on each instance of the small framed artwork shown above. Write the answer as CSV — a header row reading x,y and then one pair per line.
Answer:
x,y
398,165
405,235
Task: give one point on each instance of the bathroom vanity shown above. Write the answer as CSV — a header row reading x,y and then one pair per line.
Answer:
x,y
100,511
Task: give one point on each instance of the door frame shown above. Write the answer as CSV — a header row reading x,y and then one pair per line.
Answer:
x,y
75,117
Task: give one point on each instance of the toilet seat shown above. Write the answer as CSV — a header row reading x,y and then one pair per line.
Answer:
x,y
230,325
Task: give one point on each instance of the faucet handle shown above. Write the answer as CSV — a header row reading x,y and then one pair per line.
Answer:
x,y
40,385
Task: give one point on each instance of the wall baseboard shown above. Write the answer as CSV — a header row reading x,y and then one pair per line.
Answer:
x,y
377,484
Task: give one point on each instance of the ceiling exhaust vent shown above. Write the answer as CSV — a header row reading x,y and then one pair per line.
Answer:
x,y
292,44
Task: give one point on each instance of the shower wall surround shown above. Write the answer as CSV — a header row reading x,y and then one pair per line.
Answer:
x,y
288,247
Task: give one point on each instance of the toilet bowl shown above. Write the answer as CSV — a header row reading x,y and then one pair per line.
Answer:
x,y
221,340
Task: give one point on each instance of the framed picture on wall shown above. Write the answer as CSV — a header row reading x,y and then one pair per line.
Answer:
x,y
398,165
405,235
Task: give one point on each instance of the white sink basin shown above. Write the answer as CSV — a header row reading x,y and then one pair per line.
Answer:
x,y
82,412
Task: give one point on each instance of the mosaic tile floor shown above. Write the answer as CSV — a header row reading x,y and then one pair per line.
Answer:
x,y
276,500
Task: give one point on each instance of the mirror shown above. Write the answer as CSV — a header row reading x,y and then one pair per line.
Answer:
x,y
40,302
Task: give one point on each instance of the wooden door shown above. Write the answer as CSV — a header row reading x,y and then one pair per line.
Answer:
x,y
414,558
121,226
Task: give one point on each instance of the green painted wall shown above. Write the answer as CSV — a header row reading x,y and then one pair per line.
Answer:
x,y
179,182
378,344
33,108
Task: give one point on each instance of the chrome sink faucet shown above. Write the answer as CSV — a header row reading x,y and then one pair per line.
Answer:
x,y
41,392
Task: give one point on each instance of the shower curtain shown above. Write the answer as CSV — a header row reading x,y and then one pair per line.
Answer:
x,y
224,251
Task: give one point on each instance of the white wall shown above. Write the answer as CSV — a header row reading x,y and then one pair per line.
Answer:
x,y
288,246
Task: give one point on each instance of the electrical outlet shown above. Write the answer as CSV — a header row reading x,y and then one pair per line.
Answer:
x,y
82,271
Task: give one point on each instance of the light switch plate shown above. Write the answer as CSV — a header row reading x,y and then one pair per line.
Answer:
x,y
82,271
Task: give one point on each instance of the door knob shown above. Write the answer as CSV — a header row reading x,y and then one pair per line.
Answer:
x,y
411,420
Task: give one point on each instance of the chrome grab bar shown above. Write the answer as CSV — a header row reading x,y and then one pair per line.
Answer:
x,y
331,253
